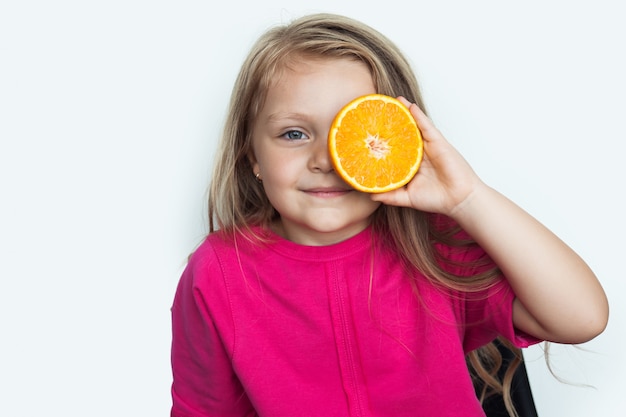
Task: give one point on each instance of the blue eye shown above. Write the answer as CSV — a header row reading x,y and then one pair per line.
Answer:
x,y
294,135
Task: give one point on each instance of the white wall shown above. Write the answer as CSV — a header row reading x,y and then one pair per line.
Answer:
x,y
109,112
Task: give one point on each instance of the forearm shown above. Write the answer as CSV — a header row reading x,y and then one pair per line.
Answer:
x,y
559,297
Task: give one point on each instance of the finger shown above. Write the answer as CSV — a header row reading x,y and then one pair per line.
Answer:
x,y
426,126
404,101
399,197
424,123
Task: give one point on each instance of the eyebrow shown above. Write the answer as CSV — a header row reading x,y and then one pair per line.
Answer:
x,y
280,116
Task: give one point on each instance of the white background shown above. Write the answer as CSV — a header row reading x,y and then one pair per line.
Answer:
x,y
109,114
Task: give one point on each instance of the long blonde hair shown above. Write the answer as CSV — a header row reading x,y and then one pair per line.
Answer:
x,y
237,200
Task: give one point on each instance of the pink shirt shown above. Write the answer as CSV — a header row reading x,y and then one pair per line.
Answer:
x,y
285,330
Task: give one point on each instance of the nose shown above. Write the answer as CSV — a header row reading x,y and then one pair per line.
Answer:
x,y
319,160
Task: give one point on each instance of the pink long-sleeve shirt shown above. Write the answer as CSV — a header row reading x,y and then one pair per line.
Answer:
x,y
284,330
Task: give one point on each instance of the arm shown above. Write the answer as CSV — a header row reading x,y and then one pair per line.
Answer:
x,y
204,383
558,296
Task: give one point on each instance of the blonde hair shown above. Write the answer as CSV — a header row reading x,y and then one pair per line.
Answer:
x,y
237,200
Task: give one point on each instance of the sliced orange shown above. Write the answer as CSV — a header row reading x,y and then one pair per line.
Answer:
x,y
375,144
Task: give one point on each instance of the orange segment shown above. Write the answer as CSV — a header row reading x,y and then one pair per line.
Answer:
x,y
375,144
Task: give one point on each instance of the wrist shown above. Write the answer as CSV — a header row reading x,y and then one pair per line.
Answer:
x,y
474,204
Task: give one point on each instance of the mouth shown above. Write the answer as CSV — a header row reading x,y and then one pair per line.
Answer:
x,y
328,192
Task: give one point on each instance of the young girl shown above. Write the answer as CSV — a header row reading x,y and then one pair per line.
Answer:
x,y
309,298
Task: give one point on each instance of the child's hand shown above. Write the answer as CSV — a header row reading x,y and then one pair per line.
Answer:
x,y
444,181
558,297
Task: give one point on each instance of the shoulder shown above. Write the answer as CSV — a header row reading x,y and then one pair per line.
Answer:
x,y
216,249
204,256
203,265
206,251
203,280
223,252
221,244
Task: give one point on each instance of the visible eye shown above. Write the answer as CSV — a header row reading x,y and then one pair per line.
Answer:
x,y
294,135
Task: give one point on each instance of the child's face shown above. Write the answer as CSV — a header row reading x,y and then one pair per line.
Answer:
x,y
290,151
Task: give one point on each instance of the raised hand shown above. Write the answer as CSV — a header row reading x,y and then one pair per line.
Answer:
x,y
444,181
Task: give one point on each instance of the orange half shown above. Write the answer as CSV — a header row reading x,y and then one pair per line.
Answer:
x,y
375,144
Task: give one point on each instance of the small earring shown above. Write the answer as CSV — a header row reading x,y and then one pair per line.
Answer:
x,y
257,177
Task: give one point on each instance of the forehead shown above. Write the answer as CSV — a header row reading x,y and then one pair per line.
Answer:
x,y
310,81
302,63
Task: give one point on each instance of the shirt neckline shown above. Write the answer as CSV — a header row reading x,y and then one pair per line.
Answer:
x,y
340,250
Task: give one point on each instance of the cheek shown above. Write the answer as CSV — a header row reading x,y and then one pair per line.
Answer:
x,y
276,177
280,167
365,203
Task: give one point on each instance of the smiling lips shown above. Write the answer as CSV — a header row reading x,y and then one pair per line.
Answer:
x,y
328,192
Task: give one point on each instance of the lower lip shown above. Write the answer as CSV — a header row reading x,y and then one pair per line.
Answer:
x,y
328,194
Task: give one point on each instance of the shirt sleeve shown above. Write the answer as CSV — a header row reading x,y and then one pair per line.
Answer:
x,y
489,314
484,314
204,383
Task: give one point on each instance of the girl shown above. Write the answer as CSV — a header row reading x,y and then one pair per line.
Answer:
x,y
311,299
